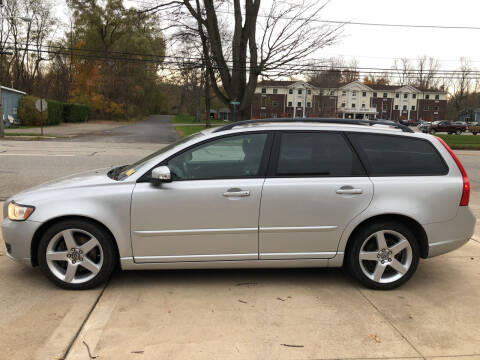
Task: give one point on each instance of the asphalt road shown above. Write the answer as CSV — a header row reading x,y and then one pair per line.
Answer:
x,y
155,129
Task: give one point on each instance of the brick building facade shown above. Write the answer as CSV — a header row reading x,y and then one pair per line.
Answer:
x,y
353,100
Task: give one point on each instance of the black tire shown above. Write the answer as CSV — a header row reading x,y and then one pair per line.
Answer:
x,y
109,254
352,260
432,132
458,132
474,133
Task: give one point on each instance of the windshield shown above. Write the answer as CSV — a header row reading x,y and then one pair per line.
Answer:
x,y
128,170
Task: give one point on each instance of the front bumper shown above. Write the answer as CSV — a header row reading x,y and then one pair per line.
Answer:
x,y
450,235
18,235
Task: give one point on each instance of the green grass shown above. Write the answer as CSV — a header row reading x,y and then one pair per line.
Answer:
x,y
459,142
190,119
187,130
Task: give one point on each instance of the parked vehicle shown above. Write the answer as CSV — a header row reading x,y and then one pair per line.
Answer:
x,y
425,126
449,127
196,204
474,127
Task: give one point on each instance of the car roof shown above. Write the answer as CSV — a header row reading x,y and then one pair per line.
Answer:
x,y
315,122
385,127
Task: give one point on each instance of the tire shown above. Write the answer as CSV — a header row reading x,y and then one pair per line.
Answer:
x,y
458,132
432,132
366,240
81,254
474,133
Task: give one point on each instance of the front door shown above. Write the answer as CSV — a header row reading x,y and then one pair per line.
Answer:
x,y
209,212
315,188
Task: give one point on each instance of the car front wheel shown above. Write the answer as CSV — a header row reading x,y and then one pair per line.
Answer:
x,y
76,254
383,255
458,132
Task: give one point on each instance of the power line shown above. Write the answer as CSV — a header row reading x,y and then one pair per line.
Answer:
x,y
347,22
176,65
181,60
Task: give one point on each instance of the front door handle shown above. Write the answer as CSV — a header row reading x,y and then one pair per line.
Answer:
x,y
236,193
349,191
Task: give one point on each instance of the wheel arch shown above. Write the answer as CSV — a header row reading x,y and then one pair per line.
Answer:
x,y
412,224
44,227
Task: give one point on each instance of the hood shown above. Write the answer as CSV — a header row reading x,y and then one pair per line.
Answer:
x,y
80,180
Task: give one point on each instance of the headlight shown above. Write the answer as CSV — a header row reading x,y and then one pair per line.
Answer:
x,y
19,212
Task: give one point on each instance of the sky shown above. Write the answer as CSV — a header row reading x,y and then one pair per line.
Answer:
x,y
374,46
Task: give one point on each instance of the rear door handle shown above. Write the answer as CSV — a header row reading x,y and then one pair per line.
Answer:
x,y
236,193
349,191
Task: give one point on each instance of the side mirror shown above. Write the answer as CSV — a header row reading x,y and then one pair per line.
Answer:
x,y
161,174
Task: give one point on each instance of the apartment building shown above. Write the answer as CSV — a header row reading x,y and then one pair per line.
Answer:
x,y
353,100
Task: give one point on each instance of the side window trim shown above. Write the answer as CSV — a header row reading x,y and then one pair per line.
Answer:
x,y
275,153
263,165
368,167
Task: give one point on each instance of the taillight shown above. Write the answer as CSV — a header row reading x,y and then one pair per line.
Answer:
x,y
466,183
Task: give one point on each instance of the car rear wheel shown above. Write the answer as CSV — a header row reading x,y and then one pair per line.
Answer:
x,y
474,133
458,132
76,254
383,255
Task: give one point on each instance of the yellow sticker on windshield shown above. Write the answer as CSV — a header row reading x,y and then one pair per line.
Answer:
x,y
130,172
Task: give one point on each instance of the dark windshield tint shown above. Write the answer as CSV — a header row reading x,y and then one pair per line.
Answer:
x,y
386,155
316,154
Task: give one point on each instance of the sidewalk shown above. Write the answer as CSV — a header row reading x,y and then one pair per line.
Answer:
x,y
69,129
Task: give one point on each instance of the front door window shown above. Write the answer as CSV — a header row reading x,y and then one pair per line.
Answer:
x,y
226,158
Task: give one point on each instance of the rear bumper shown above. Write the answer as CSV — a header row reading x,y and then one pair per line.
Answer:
x,y
18,236
450,235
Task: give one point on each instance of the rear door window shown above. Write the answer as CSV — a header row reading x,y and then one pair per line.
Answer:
x,y
316,154
387,155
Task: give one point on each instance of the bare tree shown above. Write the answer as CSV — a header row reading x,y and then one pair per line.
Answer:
x,y
425,74
30,25
403,68
461,85
261,43
336,72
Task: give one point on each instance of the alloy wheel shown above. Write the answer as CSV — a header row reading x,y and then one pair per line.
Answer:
x,y
385,256
74,256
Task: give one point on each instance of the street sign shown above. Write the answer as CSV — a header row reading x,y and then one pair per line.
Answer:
x,y
41,105
233,102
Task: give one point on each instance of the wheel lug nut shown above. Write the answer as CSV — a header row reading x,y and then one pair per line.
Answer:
x,y
80,251
389,259
383,261
68,255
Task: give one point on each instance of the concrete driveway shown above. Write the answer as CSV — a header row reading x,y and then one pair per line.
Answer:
x,y
235,314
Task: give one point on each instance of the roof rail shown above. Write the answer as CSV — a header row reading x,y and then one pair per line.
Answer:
x,y
404,128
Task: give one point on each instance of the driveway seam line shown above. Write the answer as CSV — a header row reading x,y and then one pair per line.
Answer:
x,y
391,323
67,351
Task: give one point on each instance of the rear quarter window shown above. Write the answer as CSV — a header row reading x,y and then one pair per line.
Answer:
x,y
390,155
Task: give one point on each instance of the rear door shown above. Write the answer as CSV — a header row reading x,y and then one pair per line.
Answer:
x,y
410,176
316,186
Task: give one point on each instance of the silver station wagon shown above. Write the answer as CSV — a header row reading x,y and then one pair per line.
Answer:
x,y
368,195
